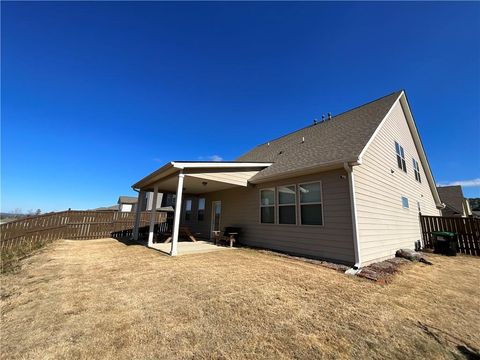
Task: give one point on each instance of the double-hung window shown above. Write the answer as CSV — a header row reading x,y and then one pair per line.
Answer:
x,y
311,209
400,157
267,206
416,170
188,209
201,209
287,208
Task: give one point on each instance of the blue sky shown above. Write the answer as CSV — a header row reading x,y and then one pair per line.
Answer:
x,y
95,95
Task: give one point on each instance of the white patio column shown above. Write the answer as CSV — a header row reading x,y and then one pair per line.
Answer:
x,y
153,211
178,211
141,198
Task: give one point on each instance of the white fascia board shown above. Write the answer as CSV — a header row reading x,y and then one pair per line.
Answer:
x,y
157,173
173,166
197,165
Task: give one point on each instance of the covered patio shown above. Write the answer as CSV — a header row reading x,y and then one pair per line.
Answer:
x,y
193,178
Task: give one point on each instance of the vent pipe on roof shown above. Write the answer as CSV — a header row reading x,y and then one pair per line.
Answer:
x,y
323,117
329,116
315,121
303,139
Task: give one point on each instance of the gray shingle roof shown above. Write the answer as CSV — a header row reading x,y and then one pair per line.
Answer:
x,y
337,140
127,200
452,196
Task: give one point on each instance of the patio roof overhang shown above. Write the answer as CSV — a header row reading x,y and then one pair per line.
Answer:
x,y
192,177
200,176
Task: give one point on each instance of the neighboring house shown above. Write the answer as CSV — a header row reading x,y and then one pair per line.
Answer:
x,y
348,189
455,202
127,203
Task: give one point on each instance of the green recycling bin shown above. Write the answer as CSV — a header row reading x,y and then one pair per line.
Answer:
x,y
445,243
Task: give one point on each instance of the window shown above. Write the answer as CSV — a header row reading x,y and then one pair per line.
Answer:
x,y
416,170
188,209
405,202
201,209
267,206
400,157
311,212
287,209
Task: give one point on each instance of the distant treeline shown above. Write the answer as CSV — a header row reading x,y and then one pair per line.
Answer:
x,y
19,214
474,204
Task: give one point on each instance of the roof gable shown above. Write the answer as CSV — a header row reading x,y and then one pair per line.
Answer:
x,y
127,200
452,196
343,139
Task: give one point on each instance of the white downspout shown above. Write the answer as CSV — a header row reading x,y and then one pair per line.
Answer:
x,y
353,205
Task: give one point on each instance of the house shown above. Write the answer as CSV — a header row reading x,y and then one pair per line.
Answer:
x,y
127,203
455,202
347,189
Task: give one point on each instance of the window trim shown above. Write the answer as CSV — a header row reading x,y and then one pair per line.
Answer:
x,y
402,158
273,205
408,203
278,205
191,209
311,203
416,170
204,209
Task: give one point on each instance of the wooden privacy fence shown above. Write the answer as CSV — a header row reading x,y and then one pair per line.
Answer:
x,y
71,224
467,230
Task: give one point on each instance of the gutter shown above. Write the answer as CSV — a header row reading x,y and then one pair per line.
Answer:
x,y
356,243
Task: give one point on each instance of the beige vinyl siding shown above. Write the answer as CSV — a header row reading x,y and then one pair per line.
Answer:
x,y
333,240
384,225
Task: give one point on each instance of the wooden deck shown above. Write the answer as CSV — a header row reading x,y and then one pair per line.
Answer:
x,y
187,247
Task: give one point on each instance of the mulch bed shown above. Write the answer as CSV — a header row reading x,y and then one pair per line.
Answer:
x,y
382,272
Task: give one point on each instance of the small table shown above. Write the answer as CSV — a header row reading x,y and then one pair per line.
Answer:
x,y
231,237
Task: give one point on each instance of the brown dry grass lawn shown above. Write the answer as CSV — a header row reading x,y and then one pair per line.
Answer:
x,y
107,300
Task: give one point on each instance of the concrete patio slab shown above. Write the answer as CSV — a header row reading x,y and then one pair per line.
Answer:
x,y
189,247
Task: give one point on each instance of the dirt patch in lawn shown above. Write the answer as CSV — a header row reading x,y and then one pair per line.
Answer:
x,y
103,299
